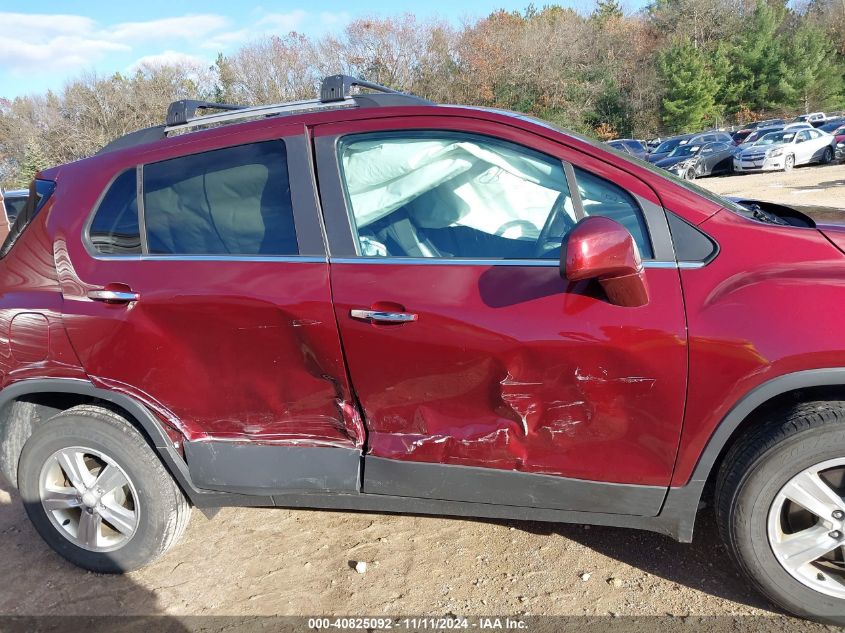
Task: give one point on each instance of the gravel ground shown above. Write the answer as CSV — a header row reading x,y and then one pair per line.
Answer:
x,y
284,562
822,185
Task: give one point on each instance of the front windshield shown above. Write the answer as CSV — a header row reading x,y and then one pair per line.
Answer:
x,y
667,146
774,138
684,150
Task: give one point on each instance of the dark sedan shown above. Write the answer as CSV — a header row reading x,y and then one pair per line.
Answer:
x,y
630,146
693,161
702,138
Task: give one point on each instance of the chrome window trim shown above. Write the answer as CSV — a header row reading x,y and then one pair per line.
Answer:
x,y
302,259
536,263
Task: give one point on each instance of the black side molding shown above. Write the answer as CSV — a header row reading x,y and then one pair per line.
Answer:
x,y
507,487
260,469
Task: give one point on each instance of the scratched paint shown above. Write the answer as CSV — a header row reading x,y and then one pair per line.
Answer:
x,y
516,369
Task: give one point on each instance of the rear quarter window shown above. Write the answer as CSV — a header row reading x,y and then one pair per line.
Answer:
x,y
231,201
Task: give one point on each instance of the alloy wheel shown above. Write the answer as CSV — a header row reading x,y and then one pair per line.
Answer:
x,y
806,527
89,499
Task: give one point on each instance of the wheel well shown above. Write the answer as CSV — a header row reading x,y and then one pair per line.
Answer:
x,y
774,407
21,415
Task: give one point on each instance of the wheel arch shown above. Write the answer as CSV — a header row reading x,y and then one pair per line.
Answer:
x,y
682,503
42,398
802,386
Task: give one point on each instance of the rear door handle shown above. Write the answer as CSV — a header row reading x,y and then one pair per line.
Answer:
x,y
117,296
376,316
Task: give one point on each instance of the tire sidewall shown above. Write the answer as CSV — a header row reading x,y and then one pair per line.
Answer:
x,y
749,524
81,430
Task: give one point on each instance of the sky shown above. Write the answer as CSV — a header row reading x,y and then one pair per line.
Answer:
x,y
44,44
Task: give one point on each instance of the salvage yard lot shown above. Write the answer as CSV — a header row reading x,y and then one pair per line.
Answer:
x,y
822,185
284,562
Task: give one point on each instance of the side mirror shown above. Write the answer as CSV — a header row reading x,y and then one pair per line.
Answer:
x,y
602,249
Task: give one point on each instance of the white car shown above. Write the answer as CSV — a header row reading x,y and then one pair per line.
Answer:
x,y
785,149
814,117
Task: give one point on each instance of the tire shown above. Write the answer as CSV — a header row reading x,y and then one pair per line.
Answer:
x,y
140,517
756,517
690,174
827,157
789,163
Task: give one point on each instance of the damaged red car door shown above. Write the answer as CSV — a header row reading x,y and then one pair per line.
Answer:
x,y
215,311
483,375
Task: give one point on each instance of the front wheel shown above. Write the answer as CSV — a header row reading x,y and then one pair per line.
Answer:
x,y
780,504
789,163
97,493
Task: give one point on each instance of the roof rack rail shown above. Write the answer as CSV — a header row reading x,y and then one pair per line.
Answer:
x,y
180,112
335,93
339,87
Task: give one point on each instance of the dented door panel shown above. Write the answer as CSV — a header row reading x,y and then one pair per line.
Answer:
x,y
513,368
232,350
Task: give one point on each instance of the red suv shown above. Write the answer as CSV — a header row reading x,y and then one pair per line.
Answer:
x,y
376,303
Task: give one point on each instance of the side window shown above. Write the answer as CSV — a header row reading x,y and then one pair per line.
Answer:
x,y
114,229
803,135
446,195
449,195
232,201
720,147
814,133
602,197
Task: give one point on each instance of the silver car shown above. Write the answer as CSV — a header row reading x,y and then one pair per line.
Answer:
x,y
785,149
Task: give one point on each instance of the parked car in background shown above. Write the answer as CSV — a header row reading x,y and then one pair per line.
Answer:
x,y
815,118
15,201
761,132
743,133
839,140
831,125
694,161
630,146
785,149
700,138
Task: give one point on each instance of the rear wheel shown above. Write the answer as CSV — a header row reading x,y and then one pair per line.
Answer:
x,y
780,503
97,493
827,157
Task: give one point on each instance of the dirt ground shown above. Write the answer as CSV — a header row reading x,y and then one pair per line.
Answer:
x,y
283,562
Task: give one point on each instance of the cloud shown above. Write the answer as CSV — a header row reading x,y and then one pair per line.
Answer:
x,y
287,22
32,42
227,39
188,27
169,58
55,45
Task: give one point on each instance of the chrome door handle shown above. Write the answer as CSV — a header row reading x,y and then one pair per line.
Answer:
x,y
113,295
375,316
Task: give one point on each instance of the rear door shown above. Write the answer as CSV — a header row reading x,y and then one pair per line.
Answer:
x,y
483,375
201,287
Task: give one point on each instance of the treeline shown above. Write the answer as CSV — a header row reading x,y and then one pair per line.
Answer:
x,y
678,65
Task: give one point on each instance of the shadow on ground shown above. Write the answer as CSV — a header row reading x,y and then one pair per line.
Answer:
x,y
703,565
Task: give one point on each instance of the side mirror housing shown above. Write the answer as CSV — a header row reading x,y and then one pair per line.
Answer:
x,y
602,249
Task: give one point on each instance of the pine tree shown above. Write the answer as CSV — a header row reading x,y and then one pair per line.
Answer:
x,y
607,10
690,97
760,74
815,78
34,160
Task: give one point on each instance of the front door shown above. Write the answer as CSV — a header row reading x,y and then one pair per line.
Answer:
x,y
213,305
483,376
